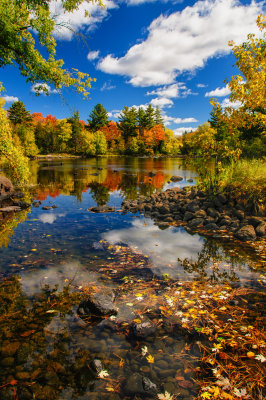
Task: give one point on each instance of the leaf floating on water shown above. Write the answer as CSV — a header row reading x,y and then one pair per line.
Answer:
x,y
165,396
27,333
51,311
103,374
150,359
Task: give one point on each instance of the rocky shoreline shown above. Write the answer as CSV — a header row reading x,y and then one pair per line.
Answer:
x,y
196,211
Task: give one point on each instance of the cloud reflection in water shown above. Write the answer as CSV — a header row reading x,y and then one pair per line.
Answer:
x,y
162,246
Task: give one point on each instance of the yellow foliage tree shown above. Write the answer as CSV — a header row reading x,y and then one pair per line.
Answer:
x,y
248,89
17,163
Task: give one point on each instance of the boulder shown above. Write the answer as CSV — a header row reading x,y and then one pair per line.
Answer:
x,y
6,186
143,329
136,385
255,221
176,178
22,204
247,232
200,214
101,209
188,216
98,304
261,229
195,222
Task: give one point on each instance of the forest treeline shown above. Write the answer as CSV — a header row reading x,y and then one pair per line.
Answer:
x,y
138,131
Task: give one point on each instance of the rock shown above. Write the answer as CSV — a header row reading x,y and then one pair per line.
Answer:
x,y
200,214
98,304
247,232
192,206
46,207
225,220
211,226
176,178
10,349
221,198
101,209
96,366
261,229
22,204
238,214
138,385
10,209
255,221
195,222
6,186
36,203
190,180
143,329
212,212
188,216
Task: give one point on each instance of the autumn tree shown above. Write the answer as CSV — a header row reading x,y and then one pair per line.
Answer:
x,y
17,163
18,114
63,135
112,134
98,118
19,19
247,89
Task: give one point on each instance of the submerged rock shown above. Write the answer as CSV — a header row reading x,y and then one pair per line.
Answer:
x,y
136,384
98,304
143,329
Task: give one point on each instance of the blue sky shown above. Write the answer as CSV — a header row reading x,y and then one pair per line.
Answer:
x,y
173,54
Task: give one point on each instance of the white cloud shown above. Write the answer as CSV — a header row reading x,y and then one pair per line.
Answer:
x,y
170,91
227,103
184,41
138,2
201,85
107,86
177,120
161,102
92,55
180,131
219,92
70,22
43,88
9,99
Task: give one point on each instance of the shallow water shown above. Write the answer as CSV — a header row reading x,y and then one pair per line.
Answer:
x,y
49,354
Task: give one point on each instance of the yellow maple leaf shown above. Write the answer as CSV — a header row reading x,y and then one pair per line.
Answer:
x,y
150,359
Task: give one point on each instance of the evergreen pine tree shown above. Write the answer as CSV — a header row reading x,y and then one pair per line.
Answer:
x,y
18,114
158,117
98,118
150,117
128,122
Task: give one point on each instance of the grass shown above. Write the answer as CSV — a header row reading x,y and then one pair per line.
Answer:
x,y
246,179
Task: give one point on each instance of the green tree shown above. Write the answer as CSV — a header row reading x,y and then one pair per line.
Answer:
x,y
18,114
98,118
76,130
17,163
19,19
128,122
158,117
150,117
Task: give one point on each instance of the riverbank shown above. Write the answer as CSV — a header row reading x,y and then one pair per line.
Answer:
x,y
220,215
